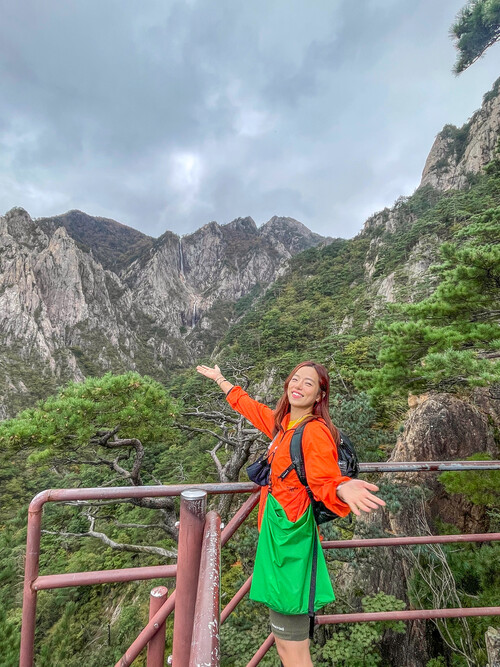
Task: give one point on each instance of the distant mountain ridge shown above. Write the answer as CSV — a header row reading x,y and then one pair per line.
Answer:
x,y
81,295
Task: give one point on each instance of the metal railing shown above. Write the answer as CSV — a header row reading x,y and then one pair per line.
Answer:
x,y
197,620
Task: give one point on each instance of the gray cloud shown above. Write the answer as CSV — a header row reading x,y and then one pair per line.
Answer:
x,y
165,115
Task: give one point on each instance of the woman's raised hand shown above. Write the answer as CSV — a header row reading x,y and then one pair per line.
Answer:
x,y
356,494
211,373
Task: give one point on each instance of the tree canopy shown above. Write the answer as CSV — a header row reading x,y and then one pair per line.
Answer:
x,y
476,28
82,414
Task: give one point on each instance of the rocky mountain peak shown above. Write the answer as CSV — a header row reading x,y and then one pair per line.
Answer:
x,y
455,154
242,224
18,224
113,244
289,235
459,151
80,295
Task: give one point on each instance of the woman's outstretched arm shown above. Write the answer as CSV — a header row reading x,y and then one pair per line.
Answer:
x,y
216,375
260,415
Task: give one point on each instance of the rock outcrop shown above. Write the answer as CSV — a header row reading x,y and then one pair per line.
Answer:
x,y
459,152
438,427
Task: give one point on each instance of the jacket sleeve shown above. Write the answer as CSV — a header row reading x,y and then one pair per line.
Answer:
x,y
261,416
321,464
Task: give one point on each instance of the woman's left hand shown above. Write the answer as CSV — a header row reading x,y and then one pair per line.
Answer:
x,y
357,494
208,372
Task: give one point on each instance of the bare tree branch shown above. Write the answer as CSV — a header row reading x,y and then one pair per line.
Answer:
x,y
215,459
205,431
134,548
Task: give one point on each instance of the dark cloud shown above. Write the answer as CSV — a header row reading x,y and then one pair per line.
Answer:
x,y
165,115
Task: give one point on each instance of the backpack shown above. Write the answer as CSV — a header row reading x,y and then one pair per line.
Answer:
x,y
348,464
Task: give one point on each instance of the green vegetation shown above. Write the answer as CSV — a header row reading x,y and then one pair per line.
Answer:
x,y
476,29
357,644
450,339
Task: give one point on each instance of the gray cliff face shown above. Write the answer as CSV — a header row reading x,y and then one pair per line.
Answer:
x,y
458,152
64,314
181,278
439,427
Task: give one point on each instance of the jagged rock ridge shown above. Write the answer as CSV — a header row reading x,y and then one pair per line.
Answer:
x,y
82,295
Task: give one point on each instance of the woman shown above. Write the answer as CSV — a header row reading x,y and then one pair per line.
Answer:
x,y
284,510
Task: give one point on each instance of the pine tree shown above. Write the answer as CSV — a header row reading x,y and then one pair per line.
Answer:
x,y
451,339
477,27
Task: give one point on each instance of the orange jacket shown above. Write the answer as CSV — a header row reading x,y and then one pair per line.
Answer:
x,y
320,460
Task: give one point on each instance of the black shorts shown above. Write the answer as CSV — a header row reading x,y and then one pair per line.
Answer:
x,y
292,627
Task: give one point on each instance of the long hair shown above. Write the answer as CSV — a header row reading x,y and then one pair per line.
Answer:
x,y
320,409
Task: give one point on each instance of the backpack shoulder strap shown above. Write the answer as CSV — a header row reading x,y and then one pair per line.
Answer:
x,y
297,454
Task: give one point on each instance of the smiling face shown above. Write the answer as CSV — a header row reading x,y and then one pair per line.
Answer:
x,y
303,390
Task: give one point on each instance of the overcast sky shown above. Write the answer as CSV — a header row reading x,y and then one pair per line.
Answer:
x,y
167,115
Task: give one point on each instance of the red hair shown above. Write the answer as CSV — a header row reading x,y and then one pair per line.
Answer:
x,y
320,409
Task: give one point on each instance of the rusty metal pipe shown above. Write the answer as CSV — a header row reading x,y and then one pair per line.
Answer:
x,y
122,492
29,594
156,646
401,541
50,581
428,466
192,523
410,615
160,491
240,517
149,631
205,641
262,651
234,602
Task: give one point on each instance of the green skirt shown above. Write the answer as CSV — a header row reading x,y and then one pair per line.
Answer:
x,y
283,563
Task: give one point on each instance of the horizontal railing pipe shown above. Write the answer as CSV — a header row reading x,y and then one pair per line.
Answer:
x,y
429,466
161,491
403,541
122,492
410,615
50,581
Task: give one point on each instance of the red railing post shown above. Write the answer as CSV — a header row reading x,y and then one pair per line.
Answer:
x,y
156,646
30,575
205,643
191,527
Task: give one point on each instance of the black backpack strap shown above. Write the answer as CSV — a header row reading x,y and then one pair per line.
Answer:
x,y
297,457
312,590
297,453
